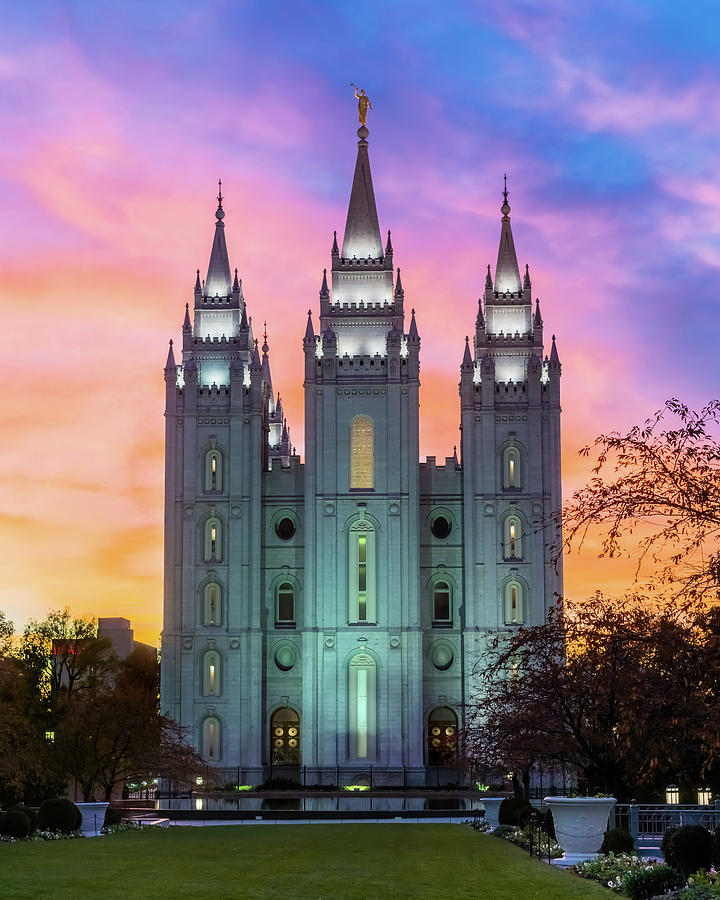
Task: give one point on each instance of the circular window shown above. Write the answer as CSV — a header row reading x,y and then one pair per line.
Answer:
x,y
442,657
441,527
284,657
285,528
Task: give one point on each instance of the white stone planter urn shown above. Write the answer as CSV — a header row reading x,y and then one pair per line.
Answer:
x,y
580,823
93,818
492,810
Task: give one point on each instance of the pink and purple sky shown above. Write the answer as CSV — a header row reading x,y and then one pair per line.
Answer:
x,y
118,120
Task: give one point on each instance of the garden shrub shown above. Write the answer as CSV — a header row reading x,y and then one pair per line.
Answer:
x,y
503,831
515,811
59,815
666,847
280,783
30,813
16,824
691,847
646,883
716,849
617,840
113,816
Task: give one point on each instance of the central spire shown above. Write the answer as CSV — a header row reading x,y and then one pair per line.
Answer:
x,y
507,273
362,230
218,281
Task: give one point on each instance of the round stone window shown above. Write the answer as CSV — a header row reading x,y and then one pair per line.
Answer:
x,y
284,657
441,527
285,528
442,656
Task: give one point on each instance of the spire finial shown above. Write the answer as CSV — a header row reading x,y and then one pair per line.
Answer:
x,y
219,212
265,347
505,208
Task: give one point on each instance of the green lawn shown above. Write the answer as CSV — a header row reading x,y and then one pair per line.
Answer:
x,y
285,861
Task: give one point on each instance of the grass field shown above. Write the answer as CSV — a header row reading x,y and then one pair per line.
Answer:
x,y
285,861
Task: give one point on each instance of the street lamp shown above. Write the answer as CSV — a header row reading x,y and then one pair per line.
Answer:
x,y
672,795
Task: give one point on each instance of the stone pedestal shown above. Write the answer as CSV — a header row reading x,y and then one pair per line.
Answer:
x,y
492,810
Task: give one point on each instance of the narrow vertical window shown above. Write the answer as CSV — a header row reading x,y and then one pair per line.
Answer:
x,y
362,707
285,616
441,603
211,674
512,477
211,738
362,475
213,470
361,570
212,604
513,538
514,613
213,540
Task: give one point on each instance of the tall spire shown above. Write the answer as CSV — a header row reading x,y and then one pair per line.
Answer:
x,y
467,357
362,230
309,330
218,279
507,273
170,362
324,290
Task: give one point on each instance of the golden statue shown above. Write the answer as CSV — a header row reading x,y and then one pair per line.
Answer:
x,y
363,103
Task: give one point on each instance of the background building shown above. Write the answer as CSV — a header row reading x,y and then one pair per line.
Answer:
x,y
332,613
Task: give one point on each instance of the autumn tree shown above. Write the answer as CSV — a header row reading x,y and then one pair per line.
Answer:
x,y
654,495
622,693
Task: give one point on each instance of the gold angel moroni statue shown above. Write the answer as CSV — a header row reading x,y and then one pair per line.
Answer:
x,y
363,103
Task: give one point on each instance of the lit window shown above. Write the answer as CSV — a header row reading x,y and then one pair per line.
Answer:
x,y
213,540
211,615
513,538
513,603
441,603
362,572
210,740
285,605
361,454
362,707
211,674
213,471
512,477
50,736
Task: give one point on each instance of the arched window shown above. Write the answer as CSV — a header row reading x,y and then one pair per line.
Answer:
x,y
285,737
211,674
213,540
213,471
514,611
361,569
513,538
442,610
442,737
212,614
211,738
362,728
362,475
285,605
512,474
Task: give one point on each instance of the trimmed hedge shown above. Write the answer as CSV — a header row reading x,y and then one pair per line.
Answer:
x,y
16,824
30,813
59,815
646,883
617,840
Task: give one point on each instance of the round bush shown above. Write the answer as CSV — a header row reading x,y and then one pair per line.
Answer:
x,y
515,811
617,840
59,815
16,824
691,847
30,813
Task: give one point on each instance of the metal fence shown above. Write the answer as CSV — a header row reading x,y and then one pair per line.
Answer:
x,y
647,823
